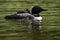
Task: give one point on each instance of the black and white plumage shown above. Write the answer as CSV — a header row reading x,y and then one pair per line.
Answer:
x,y
21,16
34,16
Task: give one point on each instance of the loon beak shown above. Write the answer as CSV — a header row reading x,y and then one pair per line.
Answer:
x,y
45,10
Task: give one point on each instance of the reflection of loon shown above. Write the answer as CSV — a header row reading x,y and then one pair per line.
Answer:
x,y
35,17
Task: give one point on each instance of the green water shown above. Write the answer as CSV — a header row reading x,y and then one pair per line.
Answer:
x,y
50,27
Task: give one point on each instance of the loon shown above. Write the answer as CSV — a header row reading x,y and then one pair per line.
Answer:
x,y
34,15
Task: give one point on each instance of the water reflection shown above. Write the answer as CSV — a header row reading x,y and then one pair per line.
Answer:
x,y
23,32
36,34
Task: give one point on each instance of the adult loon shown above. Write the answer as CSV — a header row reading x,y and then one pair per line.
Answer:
x,y
26,13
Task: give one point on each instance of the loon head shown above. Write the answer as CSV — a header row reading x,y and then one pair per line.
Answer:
x,y
36,10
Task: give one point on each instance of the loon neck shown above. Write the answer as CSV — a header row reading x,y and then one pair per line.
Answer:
x,y
36,15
